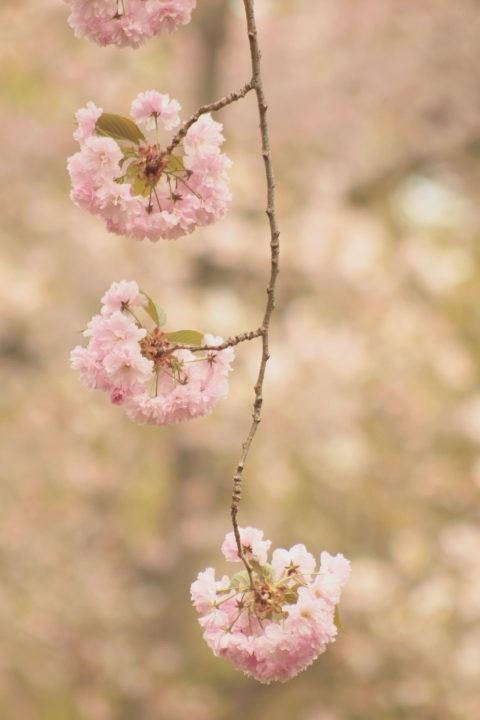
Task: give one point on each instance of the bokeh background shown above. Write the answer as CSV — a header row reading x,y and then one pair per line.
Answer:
x,y
370,440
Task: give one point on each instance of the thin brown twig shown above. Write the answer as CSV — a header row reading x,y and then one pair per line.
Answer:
x,y
274,268
236,340
212,107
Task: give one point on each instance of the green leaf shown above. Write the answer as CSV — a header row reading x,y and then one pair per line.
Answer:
x,y
155,311
119,128
291,598
162,315
269,570
139,188
336,620
175,164
185,337
127,156
239,579
263,571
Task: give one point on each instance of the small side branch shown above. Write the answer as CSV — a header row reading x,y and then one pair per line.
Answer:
x,y
236,340
255,56
212,107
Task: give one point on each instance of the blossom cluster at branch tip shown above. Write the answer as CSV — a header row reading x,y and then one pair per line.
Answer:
x,y
126,22
277,629
138,189
142,371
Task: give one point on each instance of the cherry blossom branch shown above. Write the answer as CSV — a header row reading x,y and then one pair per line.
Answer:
x,y
212,107
255,56
231,342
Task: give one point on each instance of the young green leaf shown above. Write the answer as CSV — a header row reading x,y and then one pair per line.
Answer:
x,y
239,579
268,570
175,164
291,598
127,156
119,128
336,620
161,314
155,311
139,188
264,571
185,337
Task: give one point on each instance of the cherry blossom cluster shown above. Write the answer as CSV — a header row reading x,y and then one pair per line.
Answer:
x,y
139,189
156,383
126,22
278,628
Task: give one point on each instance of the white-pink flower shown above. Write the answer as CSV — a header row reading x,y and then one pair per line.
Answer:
x,y
151,105
87,119
295,562
122,296
253,545
113,331
89,364
142,371
204,590
203,138
138,189
97,163
277,628
127,22
126,368
337,566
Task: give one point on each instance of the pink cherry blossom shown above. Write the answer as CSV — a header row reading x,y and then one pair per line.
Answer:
x,y
126,368
252,543
142,371
140,191
277,628
297,561
337,566
122,296
87,119
150,105
203,138
97,163
113,331
126,22
89,364
204,590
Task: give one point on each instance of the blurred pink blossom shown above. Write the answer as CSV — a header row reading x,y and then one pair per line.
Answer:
x,y
126,22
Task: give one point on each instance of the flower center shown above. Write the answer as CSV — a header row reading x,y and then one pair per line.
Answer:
x,y
150,164
155,347
269,600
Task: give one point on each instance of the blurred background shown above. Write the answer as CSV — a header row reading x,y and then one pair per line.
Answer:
x,y
370,440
